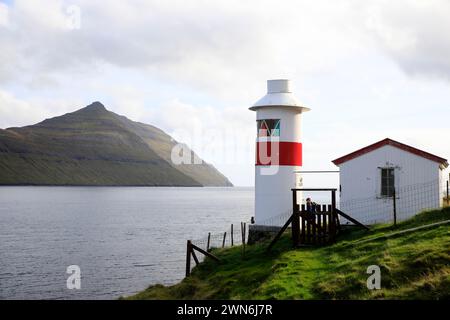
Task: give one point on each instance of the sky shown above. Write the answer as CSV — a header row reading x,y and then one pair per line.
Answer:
x,y
367,69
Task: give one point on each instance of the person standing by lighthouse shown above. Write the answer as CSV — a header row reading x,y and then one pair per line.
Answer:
x,y
278,150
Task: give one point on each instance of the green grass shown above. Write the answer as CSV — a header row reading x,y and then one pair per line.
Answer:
x,y
414,265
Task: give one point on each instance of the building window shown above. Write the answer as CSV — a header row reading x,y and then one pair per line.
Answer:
x,y
387,182
268,128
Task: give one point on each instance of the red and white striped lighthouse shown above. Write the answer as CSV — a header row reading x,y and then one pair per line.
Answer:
x,y
278,150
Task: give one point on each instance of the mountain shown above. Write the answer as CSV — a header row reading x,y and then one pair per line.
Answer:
x,y
93,146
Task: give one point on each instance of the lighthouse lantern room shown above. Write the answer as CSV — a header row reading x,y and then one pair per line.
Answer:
x,y
278,151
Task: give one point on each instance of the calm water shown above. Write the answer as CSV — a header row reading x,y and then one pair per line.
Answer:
x,y
123,239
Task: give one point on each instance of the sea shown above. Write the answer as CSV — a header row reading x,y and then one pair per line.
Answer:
x,y
106,242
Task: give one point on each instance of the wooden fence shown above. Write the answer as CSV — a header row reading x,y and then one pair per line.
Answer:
x,y
195,247
318,225
190,253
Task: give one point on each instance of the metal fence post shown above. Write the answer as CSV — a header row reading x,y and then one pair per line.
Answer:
x,y
448,197
395,207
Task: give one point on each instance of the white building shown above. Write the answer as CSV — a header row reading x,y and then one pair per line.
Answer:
x,y
369,177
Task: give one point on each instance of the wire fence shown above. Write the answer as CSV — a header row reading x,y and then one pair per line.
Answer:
x,y
408,201
403,203
234,235
237,234
276,221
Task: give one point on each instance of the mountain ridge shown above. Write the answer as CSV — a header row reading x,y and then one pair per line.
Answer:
x,y
94,146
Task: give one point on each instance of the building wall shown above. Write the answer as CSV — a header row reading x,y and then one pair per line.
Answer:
x,y
417,183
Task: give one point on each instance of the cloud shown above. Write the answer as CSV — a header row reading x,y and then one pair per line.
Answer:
x,y
4,15
221,136
414,35
16,112
224,137
220,47
209,45
129,101
182,65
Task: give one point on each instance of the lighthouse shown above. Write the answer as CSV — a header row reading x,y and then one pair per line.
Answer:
x,y
278,151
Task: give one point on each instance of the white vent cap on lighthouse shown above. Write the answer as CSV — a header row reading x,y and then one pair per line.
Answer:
x,y
279,93
278,86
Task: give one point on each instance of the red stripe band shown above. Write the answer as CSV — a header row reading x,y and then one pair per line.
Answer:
x,y
278,153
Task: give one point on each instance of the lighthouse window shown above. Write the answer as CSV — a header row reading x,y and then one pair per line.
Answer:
x,y
269,128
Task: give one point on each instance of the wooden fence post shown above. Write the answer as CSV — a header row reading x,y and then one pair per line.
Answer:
x,y
195,257
210,255
302,225
245,234
224,237
232,238
332,217
395,207
280,233
188,258
243,238
242,231
209,240
295,221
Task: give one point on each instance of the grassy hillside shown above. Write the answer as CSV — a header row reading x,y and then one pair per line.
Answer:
x,y
94,146
414,265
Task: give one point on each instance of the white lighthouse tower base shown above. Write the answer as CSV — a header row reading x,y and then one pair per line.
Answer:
x,y
274,194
